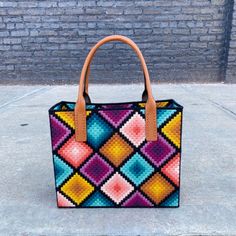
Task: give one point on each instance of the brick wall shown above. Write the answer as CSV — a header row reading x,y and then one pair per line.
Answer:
x,y
182,40
231,66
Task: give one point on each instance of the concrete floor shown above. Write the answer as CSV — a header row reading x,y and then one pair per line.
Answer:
x,y
208,188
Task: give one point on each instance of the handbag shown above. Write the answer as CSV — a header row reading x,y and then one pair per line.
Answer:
x,y
116,154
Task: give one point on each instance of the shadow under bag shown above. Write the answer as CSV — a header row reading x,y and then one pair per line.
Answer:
x,y
116,154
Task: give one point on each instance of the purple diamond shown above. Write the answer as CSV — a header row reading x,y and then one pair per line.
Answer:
x,y
96,169
59,132
158,151
115,117
117,106
137,199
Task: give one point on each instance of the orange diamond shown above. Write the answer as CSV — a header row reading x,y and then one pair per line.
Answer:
x,y
77,188
157,188
116,149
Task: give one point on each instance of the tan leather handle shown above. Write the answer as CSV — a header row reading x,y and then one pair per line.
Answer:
x,y
80,107
87,79
87,98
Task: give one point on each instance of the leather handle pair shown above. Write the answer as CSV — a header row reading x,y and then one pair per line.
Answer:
x,y
87,81
80,107
86,92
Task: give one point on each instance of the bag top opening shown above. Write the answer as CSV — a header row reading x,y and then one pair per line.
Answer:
x,y
162,104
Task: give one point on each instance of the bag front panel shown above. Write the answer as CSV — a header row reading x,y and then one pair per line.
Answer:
x,y
117,167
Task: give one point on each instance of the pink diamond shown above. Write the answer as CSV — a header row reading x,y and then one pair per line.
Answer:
x,y
117,188
63,201
75,152
134,129
171,169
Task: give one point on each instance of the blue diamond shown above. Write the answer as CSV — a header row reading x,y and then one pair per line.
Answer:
x,y
163,115
172,200
62,170
98,199
97,131
71,106
137,169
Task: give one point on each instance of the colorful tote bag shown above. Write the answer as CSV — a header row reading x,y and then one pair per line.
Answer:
x,y
116,154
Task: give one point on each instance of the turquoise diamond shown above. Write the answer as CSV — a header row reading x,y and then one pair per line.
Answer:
x,y
163,115
172,200
90,107
97,131
98,199
71,106
62,170
137,169
57,108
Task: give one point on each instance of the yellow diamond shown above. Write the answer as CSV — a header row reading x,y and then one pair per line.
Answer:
x,y
158,104
172,129
161,104
157,188
67,117
77,188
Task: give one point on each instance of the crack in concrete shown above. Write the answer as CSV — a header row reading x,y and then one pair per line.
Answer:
x,y
16,99
222,107
226,110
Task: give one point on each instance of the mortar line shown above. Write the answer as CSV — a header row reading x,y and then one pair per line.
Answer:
x,y
16,99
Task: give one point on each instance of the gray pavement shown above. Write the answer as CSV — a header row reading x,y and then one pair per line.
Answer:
x,y
208,188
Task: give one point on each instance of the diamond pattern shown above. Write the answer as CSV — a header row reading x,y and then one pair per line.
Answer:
x,y
62,170
117,106
159,104
158,151
63,201
157,188
59,132
116,149
171,169
117,188
137,200
97,131
98,199
116,166
75,152
137,169
115,117
134,129
67,117
172,200
96,169
77,188
172,129
163,115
